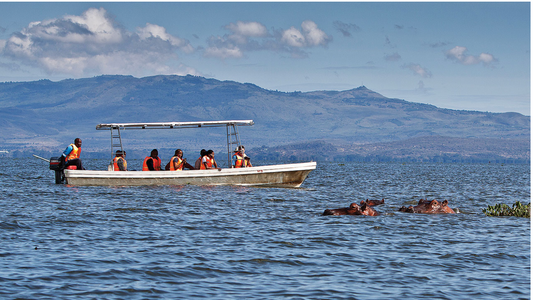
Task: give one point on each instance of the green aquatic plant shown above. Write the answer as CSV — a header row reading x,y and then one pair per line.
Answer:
x,y
518,210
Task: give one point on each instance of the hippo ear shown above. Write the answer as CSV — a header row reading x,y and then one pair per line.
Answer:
x,y
445,203
421,201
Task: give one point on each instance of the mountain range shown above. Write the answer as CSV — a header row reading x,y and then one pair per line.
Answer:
x,y
355,124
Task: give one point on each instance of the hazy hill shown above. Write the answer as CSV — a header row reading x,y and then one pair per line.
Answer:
x,y
421,149
50,114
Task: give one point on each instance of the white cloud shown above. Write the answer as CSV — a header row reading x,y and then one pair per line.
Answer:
x,y
293,37
248,29
229,51
486,58
418,70
310,36
156,31
94,43
98,23
223,48
458,54
313,35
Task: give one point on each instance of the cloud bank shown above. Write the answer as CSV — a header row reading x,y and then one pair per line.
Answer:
x,y
94,43
254,36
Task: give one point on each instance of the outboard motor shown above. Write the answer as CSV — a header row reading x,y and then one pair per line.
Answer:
x,y
57,166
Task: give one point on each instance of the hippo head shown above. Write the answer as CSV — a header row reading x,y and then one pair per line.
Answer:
x,y
429,207
353,209
364,209
372,202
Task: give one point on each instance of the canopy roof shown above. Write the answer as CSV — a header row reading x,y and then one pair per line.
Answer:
x,y
174,125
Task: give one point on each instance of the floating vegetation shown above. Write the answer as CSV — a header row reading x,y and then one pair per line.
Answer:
x,y
500,210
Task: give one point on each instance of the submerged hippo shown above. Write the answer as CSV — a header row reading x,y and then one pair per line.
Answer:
x,y
372,202
354,209
429,207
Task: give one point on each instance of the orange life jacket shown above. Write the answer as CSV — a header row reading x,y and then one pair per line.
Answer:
x,y
75,153
209,162
156,162
240,162
172,164
115,163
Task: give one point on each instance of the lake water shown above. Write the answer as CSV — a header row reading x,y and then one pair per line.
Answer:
x,y
187,242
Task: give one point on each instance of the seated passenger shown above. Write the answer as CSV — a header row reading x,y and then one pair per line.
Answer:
x,y
71,156
119,162
152,162
208,161
198,163
240,160
177,162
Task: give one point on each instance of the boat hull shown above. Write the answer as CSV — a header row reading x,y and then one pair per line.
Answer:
x,y
286,175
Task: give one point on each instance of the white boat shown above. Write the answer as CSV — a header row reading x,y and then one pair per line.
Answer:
x,y
282,175
285,175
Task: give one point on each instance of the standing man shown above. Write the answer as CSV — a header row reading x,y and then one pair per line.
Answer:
x,y
71,155
152,162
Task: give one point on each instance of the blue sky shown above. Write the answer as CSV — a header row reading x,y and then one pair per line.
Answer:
x,y
458,55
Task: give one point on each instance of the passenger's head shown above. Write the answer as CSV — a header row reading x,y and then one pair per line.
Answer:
x,y
120,153
154,153
239,149
202,152
77,142
210,153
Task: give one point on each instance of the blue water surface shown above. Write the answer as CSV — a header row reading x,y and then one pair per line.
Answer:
x,y
225,242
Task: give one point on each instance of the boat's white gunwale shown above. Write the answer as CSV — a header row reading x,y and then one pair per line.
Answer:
x,y
190,173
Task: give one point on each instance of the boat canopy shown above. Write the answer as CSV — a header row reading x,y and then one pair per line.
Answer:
x,y
232,132
174,125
